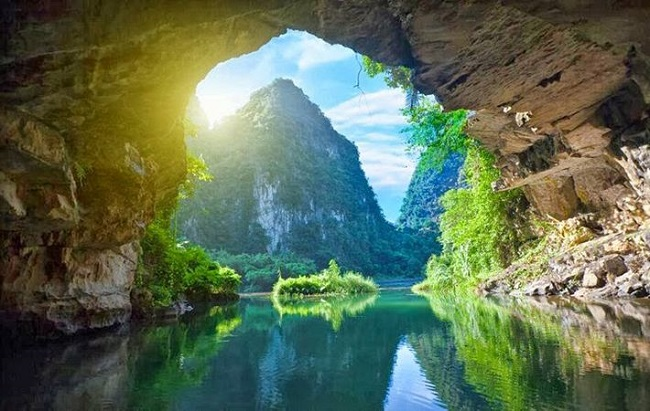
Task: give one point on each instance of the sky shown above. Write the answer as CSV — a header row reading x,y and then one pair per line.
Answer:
x,y
367,114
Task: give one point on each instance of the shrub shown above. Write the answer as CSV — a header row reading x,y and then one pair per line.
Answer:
x,y
205,282
169,270
260,271
328,282
480,229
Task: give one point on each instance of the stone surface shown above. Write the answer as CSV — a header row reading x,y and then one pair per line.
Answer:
x,y
93,373
613,265
543,286
554,196
56,290
92,99
593,277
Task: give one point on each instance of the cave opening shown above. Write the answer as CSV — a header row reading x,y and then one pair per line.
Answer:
x,y
309,162
93,101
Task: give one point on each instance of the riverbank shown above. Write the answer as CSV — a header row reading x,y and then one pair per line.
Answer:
x,y
608,266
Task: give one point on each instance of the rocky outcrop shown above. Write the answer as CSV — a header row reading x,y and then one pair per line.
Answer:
x,y
92,98
595,255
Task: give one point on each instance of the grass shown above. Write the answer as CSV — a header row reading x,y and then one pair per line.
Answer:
x,y
330,281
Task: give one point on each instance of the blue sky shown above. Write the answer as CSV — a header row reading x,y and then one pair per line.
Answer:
x,y
368,115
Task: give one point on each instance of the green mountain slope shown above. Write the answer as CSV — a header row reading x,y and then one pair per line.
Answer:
x,y
421,208
287,182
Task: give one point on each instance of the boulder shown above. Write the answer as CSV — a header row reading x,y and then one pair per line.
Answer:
x,y
613,265
594,276
554,196
543,286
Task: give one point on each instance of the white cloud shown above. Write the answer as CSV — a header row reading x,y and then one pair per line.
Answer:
x,y
309,51
387,166
381,108
376,137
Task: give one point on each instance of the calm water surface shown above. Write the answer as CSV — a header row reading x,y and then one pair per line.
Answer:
x,y
395,351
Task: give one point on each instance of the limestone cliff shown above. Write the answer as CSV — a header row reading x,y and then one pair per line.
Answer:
x,y
92,96
287,182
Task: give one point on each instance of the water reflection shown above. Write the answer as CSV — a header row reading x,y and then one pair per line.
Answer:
x,y
331,309
83,374
551,353
403,352
409,387
164,360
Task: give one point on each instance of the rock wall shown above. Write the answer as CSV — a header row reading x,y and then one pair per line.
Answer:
x,y
92,96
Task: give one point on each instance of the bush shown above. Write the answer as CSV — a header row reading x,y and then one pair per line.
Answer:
x,y
169,270
328,282
480,229
261,271
211,281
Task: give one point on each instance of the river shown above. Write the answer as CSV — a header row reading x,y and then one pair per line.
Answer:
x,y
394,351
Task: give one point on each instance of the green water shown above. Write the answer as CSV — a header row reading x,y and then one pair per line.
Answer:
x,y
394,351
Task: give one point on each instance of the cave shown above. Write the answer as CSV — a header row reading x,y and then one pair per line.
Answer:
x,y
93,96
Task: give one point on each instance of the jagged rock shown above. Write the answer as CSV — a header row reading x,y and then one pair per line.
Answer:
x,y
632,289
590,183
541,287
606,268
593,277
609,290
574,275
627,278
554,196
645,273
613,265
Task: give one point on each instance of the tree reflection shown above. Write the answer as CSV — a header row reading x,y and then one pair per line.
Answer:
x,y
166,359
331,309
528,353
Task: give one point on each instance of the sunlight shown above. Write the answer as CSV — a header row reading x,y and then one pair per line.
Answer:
x,y
217,106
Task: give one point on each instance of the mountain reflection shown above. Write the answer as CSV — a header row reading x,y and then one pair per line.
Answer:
x,y
394,351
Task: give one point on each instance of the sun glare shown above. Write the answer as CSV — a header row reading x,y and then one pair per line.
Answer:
x,y
218,107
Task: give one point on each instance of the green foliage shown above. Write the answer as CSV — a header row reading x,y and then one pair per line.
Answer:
x,y
333,309
327,282
480,228
421,208
81,170
289,157
504,345
260,271
190,127
172,358
436,134
169,270
394,76
209,281
197,171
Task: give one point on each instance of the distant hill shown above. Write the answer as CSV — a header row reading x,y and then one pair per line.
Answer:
x,y
421,208
286,182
